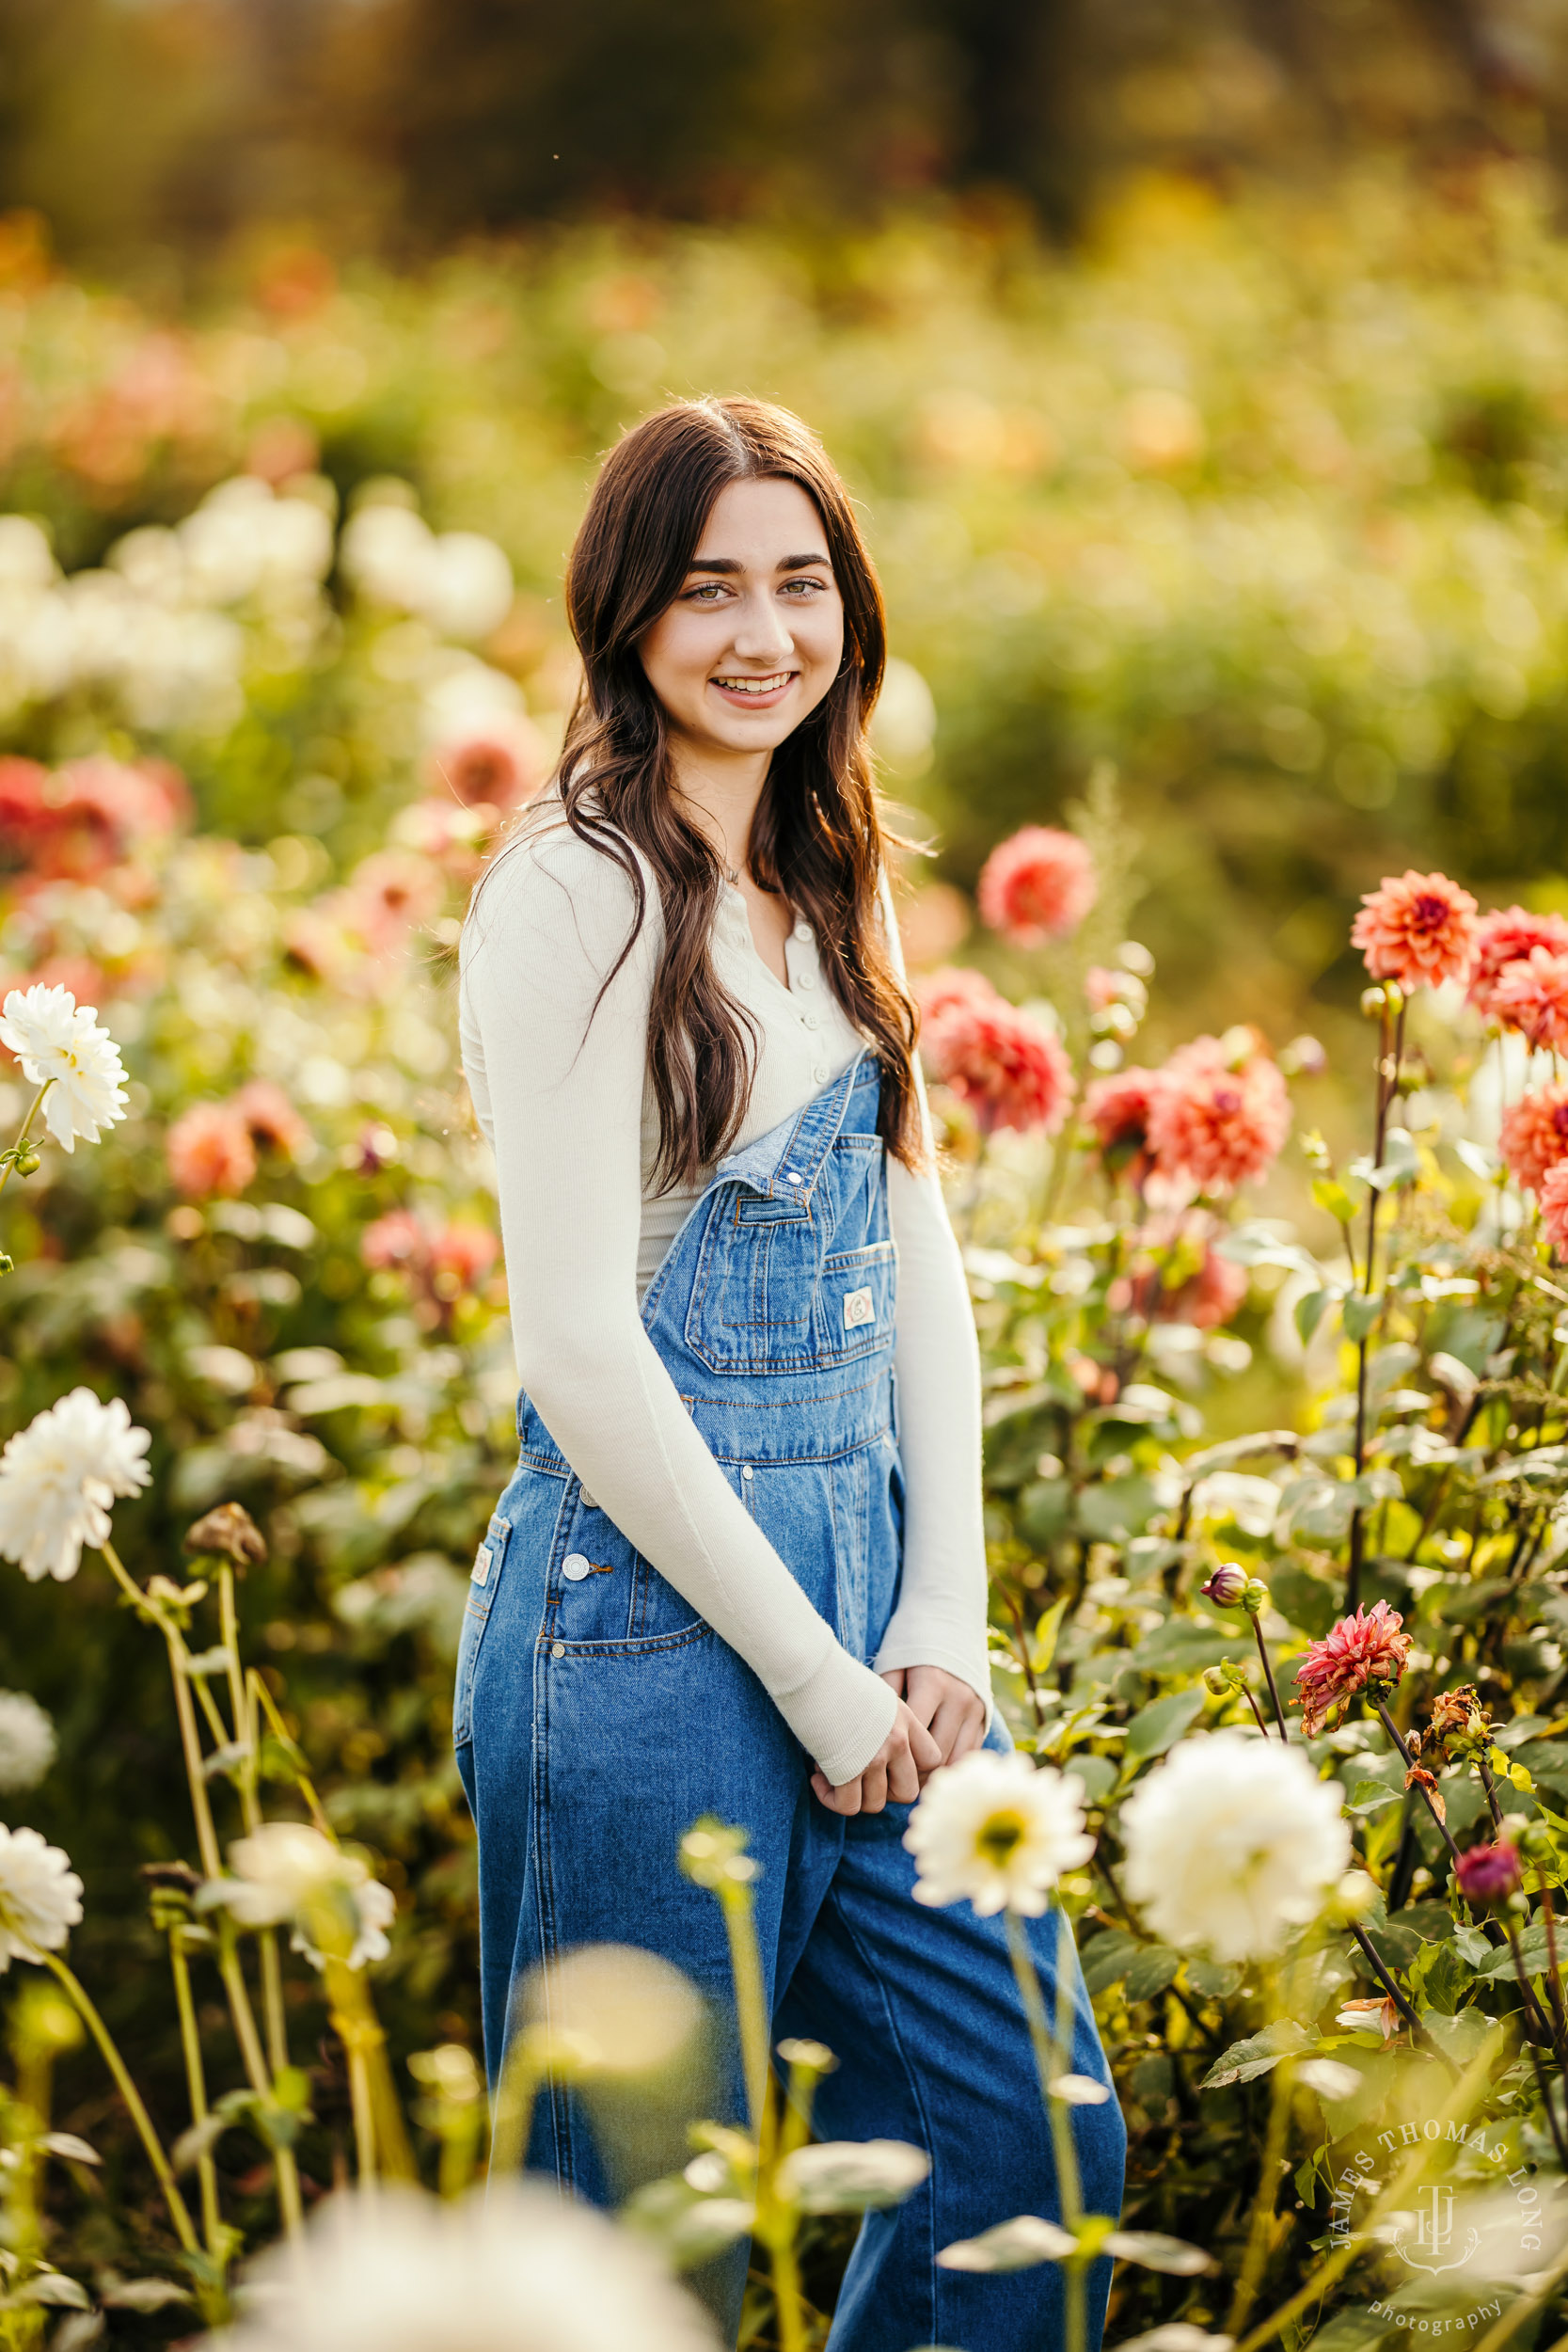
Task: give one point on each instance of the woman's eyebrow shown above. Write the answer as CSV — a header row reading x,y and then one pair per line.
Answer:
x,y
729,563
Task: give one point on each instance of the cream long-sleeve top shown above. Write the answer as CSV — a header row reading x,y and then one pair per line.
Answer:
x,y
561,1093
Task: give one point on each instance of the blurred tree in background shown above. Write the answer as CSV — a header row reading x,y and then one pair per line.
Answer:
x,y
138,124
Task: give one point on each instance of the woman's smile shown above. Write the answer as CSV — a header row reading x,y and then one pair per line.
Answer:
x,y
758,692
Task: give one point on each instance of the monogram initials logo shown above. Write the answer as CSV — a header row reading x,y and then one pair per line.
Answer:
x,y
858,1308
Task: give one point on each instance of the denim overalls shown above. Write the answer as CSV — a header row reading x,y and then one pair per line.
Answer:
x,y
597,1717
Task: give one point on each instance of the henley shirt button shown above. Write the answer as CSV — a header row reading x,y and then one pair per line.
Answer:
x,y
802,931
807,980
557,1650
821,1073
810,1021
576,1568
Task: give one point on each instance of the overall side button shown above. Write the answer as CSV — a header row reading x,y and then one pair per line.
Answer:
x,y
575,1566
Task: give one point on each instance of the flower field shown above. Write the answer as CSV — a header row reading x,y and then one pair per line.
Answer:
x,y
1224,577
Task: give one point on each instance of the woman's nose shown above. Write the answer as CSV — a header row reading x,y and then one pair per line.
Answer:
x,y
761,630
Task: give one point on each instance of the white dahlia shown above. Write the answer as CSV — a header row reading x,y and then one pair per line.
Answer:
x,y
59,1044
288,1872
1231,1842
27,1741
40,1896
58,1477
997,1830
512,2269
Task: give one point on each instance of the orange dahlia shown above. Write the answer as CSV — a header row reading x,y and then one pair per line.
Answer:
x,y
1534,1135
1366,1652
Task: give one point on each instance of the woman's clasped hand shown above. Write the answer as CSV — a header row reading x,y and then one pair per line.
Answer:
x,y
939,1718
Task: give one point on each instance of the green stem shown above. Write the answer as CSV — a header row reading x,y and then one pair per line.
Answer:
x,y
178,2211
1268,1675
196,2078
1052,2057
21,1133
750,2000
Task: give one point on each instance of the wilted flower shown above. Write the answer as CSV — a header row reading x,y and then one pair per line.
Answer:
x,y
230,1531
1037,885
510,2268
59,1042
1532,996
1534,1135
1504,938
996,1831
1488,1873
1218,1119
41,1896
1011,1070
27,1743
1232,1841
1458,1715
1418,930
58,1477
1554,1207
1117,1108
289,1871
208,1150
1377,2014
1366,1652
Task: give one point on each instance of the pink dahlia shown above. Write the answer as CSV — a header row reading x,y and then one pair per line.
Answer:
x,y
271,1118
496,766
210,1151
1488,1873
1554,1207
1117,1108
1531,995
462,1255
1011,1068
387,894
1505,937
399,1239
1214,1121
1366,1652
1534,1135
1418,930
1038,885
1176,1276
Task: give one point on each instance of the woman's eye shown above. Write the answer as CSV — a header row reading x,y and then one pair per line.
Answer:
x,y
806,587
709,592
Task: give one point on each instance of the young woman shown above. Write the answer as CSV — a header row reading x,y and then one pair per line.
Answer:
x,y
739,1569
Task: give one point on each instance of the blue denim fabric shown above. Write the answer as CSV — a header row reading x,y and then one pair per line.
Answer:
x,y
597,1717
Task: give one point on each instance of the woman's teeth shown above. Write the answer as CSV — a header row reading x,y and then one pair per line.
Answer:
x,y
756,685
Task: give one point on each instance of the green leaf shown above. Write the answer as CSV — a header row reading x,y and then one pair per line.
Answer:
x,y
1152,1972
1308,1312
1245,2061
1471,1943
1331,1195
1369,1795
1360,1313
1106,1958
1121,1508
1159,1725
1217,1980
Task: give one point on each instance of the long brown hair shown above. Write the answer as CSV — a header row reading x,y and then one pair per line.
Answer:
x,y
816,835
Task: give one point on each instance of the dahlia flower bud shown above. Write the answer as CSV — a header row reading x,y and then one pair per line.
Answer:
x,y
1373,1001
1225,1586
1256,1596
1488,1874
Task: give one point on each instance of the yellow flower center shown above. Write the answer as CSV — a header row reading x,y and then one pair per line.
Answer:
x,y
1000,1837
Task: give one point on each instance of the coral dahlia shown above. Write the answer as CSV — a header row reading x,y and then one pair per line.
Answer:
x,y
1534,1135
1215,1120
1117,1108
1506,936
1531,995
1418,930
1554,1207
210,1151
1366,1652
1009,1068
1037,885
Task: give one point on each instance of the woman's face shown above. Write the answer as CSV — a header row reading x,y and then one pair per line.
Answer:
x,y
755,638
